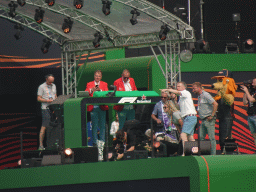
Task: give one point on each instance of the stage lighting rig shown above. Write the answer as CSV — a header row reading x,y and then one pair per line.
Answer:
x,y
12,6
67,25
19,28
106,7
78,4
134,13
96,41
163,32
46,45
39,16
50,2
21,2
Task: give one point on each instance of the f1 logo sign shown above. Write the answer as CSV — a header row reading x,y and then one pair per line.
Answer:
x,y
128,100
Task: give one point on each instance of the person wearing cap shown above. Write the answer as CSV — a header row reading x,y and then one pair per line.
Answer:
x,y
207,108
125,83
188,112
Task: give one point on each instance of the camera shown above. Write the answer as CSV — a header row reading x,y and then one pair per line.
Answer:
x,y
247,84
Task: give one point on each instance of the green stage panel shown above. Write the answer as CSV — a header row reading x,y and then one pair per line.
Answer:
x,y
217,62
127,94
227,173
144,70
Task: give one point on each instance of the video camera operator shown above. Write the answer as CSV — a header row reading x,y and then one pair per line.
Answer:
x,y
249,99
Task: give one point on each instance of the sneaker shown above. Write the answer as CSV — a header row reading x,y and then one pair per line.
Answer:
x,y
41,148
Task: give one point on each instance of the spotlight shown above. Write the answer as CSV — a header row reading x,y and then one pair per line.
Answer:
x,y
12,6
68,152
46,45
96,41
19,28
163,32
248,46
50,2
134,13
78,3
21,2
106,7
39,15
201,46
67,25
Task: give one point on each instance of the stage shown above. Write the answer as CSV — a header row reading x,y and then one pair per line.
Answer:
x,y
189,173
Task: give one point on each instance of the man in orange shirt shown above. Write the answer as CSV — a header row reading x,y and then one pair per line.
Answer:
x,y
98,113
125,83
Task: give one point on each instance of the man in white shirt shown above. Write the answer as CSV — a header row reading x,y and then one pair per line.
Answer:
x,y
45,95
188,112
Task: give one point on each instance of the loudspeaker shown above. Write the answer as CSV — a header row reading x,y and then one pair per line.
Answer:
x,y
33,162
191,148
230,146
55,137
136,154
51,160
85,155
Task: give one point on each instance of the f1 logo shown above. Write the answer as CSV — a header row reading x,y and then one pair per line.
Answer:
x,y
128,100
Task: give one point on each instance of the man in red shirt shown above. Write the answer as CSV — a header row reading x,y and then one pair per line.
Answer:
x,y
125,83
98,113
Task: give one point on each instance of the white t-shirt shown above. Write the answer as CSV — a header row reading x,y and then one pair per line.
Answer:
x,y
186,104
114,128
128,87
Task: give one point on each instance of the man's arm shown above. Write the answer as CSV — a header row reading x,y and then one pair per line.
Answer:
x,y
249,97
156,119
41,100
176,92
245,99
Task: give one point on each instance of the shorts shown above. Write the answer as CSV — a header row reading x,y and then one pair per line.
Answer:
x,y
46,117
175,117
189,124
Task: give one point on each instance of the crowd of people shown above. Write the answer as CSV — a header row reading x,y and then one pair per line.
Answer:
x,y
175,117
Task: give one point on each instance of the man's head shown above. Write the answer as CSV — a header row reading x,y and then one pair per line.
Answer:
x,y
126,75
197,88
97,75
181,86
49,79
164,97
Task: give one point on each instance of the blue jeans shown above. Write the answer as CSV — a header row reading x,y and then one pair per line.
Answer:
x,y
125,113
209,127
189,124
98,120
252,123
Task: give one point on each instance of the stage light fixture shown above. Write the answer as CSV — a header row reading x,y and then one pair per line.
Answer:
x,y
96,41
134,13
106,7
201,46
13,7
50,2
46,45
163,32
248,46
78,4
68,152
39,16
21,2
231,48
19,28
67,25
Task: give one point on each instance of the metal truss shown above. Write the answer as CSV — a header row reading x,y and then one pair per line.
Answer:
x,y
69,69
30,23
185,31
171,70
79,16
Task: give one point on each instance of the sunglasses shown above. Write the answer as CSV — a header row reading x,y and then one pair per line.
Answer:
x,y
164,107
126,77
163,97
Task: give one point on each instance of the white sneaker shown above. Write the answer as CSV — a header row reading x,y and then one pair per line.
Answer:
x,y
41,147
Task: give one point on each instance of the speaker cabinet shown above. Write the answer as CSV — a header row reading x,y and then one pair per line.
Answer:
x,y
191,148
